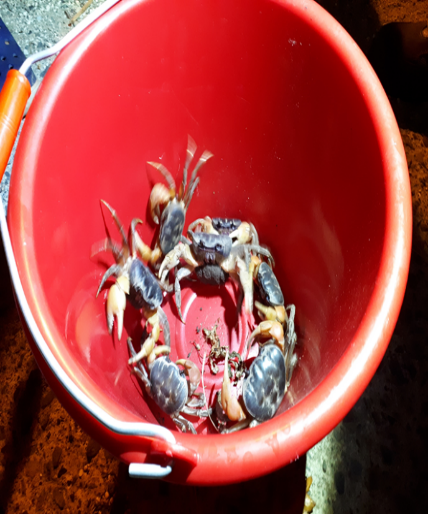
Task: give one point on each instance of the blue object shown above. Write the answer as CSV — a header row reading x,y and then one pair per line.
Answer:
x,y
11,56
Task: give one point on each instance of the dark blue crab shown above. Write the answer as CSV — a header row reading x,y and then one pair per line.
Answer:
x,y
212,257
267,380
134,281
167,384
168,207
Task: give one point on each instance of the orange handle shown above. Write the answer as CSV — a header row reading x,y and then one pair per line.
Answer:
x,y
13,98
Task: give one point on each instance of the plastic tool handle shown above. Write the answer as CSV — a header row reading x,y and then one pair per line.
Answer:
x,y
13,98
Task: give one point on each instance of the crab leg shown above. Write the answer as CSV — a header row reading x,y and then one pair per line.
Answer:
x,y
190,153
140,370
114,270
194,181
291,338
181,273
119,225
172,259
106,245
183,424
242,249
150,342
163,319
166,174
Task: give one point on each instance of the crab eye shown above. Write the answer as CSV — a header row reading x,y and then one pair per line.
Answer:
x,y
218,248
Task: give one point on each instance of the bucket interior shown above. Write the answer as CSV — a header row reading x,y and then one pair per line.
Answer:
x,y
295,152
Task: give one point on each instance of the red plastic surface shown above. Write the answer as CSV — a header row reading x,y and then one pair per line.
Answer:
x,y
305,146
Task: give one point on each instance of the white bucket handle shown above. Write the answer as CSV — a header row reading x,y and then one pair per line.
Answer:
x,y
138,470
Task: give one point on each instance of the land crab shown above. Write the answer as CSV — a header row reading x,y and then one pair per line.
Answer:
x,y
168,206
172,389
266,381
134,281
212,257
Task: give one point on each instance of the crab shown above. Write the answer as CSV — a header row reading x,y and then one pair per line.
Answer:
x,y
167,384
134,281
168,207
268,377
269,290
213,258
241,232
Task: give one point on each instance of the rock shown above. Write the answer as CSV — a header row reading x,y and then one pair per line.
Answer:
x,y
56,456
62,471
47,398
33,468
40,503
339,482
92,449
58,497
44,420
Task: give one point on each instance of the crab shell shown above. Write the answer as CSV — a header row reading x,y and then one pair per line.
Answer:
x,y
171,226
211,274
225,225
168,385
144,291
264,388
211,248
269,286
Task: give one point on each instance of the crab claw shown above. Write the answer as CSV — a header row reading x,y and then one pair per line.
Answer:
x,y
144,250
158,350
193,372
276,313
229,403
243,234
202,225
160,196
269,330
116,303
246,280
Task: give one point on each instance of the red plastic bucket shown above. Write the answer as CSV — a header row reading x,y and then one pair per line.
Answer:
x,y
305,147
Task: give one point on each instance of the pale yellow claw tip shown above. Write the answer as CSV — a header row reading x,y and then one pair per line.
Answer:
x,y
116,303
158,350
160,195
229,403
161,349
242,233
123,282
143,249
269,329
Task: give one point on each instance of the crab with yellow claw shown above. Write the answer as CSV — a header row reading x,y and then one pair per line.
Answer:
x,y
172,389
212,258
269,290
241,232
268,378
134,281
168,206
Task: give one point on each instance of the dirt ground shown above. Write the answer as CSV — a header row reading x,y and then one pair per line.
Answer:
x,y
49,465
